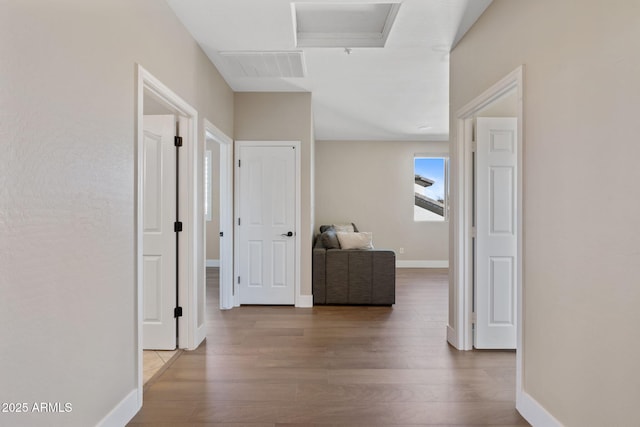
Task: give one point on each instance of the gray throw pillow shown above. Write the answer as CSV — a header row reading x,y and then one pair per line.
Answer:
x,y
329,239
324,228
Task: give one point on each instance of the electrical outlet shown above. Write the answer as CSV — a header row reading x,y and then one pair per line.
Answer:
x,y
401,250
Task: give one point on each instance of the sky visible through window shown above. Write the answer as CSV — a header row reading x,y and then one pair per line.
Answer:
x,y
432,168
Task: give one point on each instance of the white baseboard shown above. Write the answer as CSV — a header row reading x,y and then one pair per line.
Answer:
x,y
452,337
213,263
304,301
123,411
422,264
534,412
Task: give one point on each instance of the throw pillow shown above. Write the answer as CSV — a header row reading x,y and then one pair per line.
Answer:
x,y
344,228
355,240
330,240
324,228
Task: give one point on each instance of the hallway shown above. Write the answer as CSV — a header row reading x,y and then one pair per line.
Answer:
x,y
335,366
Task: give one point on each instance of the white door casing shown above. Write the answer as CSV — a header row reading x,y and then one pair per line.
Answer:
x,y
496,233
266,183
159,244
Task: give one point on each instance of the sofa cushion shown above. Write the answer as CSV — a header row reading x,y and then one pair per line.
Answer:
x,y
355,240
329,239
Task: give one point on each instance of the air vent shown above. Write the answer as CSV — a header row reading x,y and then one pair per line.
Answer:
x,y
265,64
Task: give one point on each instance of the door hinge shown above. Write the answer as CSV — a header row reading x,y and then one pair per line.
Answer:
x,y
238,162
238,221
473,232
221,234
238,280
177,226
474,318
474,146
177,312
177,141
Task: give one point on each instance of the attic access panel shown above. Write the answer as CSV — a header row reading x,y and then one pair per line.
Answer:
x,y
343,24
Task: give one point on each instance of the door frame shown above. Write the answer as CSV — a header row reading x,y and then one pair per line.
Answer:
x,y
191,255
460,335
225,212
298,299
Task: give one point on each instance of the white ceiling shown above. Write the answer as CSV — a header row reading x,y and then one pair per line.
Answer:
x,y
398,93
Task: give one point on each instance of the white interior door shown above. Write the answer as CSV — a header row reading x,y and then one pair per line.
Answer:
x,y
266,230
159,238
496,233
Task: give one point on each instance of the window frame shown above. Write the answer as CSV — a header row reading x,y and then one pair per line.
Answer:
x,y
445,159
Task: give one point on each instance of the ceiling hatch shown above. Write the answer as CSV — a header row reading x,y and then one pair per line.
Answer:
x,y
286,64
343,24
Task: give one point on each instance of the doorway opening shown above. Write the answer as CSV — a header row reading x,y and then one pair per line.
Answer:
x,y
155,99
460,330
220,228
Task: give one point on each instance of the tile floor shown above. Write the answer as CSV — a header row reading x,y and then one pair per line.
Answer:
x,y
153,361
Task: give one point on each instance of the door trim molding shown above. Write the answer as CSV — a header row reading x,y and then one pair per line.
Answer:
x,y
460,334
225,211
300,300
192,249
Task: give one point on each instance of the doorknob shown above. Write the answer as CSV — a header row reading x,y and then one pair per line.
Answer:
x,y
289,234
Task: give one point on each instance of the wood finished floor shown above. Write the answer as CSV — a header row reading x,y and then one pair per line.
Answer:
x,y
335,366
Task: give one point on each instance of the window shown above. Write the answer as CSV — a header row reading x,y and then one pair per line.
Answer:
x,y
431,187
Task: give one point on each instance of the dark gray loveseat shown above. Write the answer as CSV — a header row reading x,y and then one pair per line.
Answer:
x,y
352,276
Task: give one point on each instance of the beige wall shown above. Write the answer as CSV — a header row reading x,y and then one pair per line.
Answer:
x,y
581,210
371,183
283,117
67,192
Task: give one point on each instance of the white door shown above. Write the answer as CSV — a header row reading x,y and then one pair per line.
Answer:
x,y
496,233
159,237
266,230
